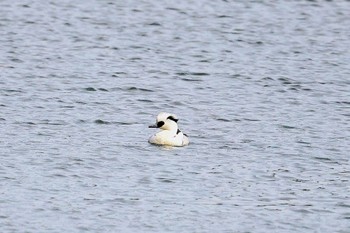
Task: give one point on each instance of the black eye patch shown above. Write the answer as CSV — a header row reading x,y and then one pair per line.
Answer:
x,y
160,124
172,118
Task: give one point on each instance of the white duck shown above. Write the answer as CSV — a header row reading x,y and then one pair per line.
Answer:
x,y
170,135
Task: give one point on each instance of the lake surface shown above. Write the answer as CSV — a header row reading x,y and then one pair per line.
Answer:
x,y
262,88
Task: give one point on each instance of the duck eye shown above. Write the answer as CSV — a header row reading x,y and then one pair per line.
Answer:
x,y
160,124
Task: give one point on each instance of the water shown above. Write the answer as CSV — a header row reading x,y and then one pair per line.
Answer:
x,y
261,88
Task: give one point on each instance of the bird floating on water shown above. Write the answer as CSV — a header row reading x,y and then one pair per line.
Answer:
x,y
170,134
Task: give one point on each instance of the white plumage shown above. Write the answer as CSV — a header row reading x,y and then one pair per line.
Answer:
x,y
170,135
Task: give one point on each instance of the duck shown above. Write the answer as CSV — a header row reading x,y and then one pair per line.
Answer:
x,y
170,134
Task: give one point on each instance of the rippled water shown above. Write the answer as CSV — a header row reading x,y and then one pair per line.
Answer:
x,y
261,88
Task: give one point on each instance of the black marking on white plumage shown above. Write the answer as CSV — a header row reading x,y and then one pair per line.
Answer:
x,y
172,118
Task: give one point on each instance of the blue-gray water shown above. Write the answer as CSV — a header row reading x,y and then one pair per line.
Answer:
x,y
262,88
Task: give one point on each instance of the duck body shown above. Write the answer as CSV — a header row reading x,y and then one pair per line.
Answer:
x,y
168,138
170,135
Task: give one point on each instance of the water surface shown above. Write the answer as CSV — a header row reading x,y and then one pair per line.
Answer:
x,y
261,88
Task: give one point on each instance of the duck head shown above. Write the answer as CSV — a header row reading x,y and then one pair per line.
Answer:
x,y
166,121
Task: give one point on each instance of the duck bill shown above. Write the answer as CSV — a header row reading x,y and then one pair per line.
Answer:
x,y
153,126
